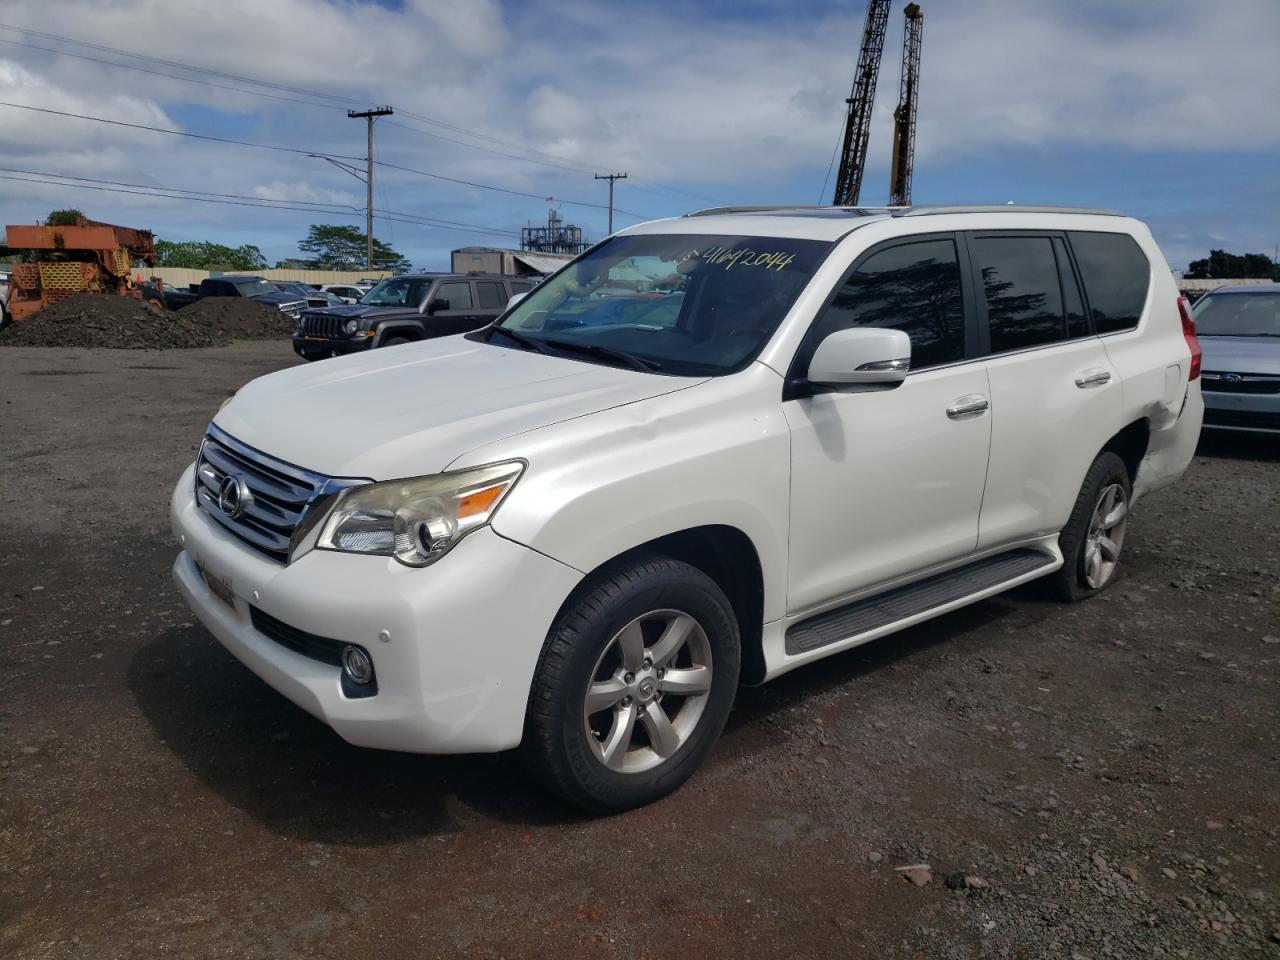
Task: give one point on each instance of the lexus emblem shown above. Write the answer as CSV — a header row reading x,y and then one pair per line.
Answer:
x,y
1231,378
233,495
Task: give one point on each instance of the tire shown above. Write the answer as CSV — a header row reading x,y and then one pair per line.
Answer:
x,y
1089,564
395,341
601,640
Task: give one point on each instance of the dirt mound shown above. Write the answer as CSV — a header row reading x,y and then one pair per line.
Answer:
x,y
91,320
234,318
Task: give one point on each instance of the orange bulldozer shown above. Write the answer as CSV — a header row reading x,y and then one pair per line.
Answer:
x,y
88,257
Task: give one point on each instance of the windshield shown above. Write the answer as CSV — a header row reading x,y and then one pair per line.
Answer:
x,y
682,304
1238,315
398,292
255,288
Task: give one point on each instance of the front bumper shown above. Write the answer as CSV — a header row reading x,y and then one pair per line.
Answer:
x,y
1242,412
464,633
325,347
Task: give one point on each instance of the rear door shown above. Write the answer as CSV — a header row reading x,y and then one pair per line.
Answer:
x,y
1055,395
462,315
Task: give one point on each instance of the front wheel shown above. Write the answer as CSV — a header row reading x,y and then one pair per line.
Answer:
x,y
634,685
1094,535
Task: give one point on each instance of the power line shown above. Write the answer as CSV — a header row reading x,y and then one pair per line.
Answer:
x,y
297,150
237,200
176,133
551,159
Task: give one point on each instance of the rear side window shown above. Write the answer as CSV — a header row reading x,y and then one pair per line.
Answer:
x,y
1024,295
517,287
913,287
1116,275
490,294
458,295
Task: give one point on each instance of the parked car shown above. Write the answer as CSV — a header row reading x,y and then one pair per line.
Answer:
x,y
580,540
404,309
367,284
347,293
255,288
1239,327
314,296
4,300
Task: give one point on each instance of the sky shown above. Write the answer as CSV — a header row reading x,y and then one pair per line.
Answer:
x,y
1163,109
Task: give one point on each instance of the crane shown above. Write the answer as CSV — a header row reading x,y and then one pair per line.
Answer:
x,y
857,128
904,117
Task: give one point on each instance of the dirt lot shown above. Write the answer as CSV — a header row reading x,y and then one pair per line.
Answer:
x,y
1107,774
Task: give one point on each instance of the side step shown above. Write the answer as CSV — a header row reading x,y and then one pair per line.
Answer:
x,y
872,613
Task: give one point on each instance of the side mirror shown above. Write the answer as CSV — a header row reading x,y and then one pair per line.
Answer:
x,y
515,298
861,357
436,305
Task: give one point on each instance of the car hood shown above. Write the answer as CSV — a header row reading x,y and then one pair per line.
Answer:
x,y
1241,354
362,310
411,410
279,297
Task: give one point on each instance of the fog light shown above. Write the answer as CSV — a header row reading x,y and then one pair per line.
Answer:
x,y
356,664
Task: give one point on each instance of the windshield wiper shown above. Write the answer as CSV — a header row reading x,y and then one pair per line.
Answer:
x,y
529,343
643,364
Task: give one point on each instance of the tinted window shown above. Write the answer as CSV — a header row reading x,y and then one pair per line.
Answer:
x,y
520,288
1024,298
912,287
1116,274
458,294
490,294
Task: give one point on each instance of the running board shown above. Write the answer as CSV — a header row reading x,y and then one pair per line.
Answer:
x,y
902,603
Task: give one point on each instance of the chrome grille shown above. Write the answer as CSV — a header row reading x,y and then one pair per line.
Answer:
x,y
280,492
1256,383
321,325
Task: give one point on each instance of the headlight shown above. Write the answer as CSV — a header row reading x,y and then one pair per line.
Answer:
x,y
352,326
417,521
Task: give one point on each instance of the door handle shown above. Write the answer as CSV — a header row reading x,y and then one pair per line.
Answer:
x,y
972,405
1094,378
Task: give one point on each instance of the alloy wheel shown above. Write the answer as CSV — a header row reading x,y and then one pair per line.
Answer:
x,y
648,691
1106,536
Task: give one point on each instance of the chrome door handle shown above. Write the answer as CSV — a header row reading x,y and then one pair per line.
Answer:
x,y
972,405
1095,378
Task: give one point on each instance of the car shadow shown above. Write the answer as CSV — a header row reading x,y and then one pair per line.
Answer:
x,y
1239,446
297,778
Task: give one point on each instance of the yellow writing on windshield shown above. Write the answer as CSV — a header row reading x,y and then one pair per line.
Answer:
x,y
744,257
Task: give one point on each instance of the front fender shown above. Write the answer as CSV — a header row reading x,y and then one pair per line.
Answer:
x,y
717,453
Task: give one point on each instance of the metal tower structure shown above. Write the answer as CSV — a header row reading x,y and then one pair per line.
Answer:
x,y
904,117
857,127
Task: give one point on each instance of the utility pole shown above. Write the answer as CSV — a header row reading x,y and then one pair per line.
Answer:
x,y
369,116
611,177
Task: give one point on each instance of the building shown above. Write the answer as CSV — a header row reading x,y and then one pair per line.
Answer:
x,y
512,263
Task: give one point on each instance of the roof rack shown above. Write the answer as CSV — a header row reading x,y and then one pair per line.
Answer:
x,y
922,211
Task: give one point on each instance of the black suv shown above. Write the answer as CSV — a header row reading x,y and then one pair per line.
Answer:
x,y
402,309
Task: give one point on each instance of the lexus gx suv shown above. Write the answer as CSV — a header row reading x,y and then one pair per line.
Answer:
x,y
578,530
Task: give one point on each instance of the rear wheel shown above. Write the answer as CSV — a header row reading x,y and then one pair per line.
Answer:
x,y
634,685
1094,536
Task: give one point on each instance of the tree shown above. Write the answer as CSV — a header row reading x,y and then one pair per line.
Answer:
x,y
1220,265
203,255
336,246
64,218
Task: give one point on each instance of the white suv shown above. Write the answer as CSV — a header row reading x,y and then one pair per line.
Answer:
x,y
708,451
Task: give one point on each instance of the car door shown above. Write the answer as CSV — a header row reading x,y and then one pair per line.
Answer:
x,y
889,482
461,315
1054,392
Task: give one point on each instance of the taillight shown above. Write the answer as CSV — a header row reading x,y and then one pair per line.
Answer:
x,y
1189,333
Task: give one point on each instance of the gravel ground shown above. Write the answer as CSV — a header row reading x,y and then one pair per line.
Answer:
x,y
130,323
1097,780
